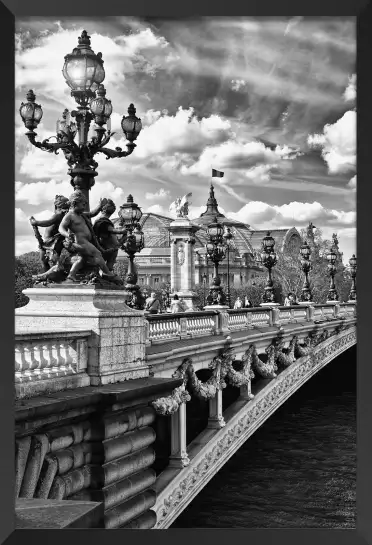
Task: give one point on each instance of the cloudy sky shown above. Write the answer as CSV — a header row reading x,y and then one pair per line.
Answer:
x,y
269,101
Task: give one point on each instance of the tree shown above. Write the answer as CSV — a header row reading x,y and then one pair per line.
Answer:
x,y
288,271
25,266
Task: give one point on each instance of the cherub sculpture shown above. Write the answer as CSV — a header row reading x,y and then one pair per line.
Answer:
x,y
106,233
80,238
181,206
52,245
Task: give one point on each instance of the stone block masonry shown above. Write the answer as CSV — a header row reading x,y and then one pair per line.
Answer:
x,y
116,345
94,444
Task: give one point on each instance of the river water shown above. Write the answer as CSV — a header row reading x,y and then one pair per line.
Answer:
x,y
298,470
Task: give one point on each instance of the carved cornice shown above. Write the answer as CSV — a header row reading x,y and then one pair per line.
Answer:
x,y
229,439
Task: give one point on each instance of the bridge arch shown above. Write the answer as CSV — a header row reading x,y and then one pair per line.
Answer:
x,y
242,418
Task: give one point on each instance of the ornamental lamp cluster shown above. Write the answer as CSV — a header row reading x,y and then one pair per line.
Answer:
x,y
353,271
129,217
216,251
332,258
84,74
269,260
228,237
305,253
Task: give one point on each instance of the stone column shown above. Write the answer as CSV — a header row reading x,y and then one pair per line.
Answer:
x,y
182,259
245,391
179,457
116,347
216,419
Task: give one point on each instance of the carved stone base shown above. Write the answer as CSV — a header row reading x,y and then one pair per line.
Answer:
x,y
216,423
189,298
179,461
116,346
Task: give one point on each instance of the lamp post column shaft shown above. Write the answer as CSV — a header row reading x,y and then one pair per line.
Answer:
x,y
228,277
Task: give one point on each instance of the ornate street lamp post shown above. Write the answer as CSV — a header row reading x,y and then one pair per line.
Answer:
x,y
305,252
165,293
268,259
332,257
216,252
84,73
204,277
129,215
353,270
228,236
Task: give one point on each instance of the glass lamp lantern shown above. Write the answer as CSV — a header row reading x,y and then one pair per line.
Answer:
x,y
140,238
31,113
215,231
131,124
83,69
353,261
331,256
209,247
130,213
101,107
268,242
305,250
64,126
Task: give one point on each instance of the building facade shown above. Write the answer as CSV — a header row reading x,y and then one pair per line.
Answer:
x,y
243,260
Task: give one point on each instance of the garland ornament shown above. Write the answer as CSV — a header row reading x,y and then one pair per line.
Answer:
x,y
265,370
286,356
239,378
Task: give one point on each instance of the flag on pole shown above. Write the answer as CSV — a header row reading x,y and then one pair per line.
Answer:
x,y
217,173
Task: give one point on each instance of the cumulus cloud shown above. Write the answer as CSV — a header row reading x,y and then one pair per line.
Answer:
x,y
36,193
124,54
261,214
157,209
240,156
338,143
159,195
350,91
182,133
352,183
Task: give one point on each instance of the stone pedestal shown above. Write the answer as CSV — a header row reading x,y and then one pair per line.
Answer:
x,y
183,260
116,346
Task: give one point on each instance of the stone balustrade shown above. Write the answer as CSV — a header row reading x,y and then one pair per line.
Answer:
x,y
164,327
50,361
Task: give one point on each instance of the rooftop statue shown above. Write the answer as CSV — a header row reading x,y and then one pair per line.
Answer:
x,y
181,206
335,240
310,231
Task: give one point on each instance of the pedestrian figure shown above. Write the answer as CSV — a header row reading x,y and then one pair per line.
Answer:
x,y
177,305
238,303
289,300
152,304
247,302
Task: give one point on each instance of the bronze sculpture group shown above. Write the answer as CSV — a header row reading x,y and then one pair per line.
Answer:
x,y
76,251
